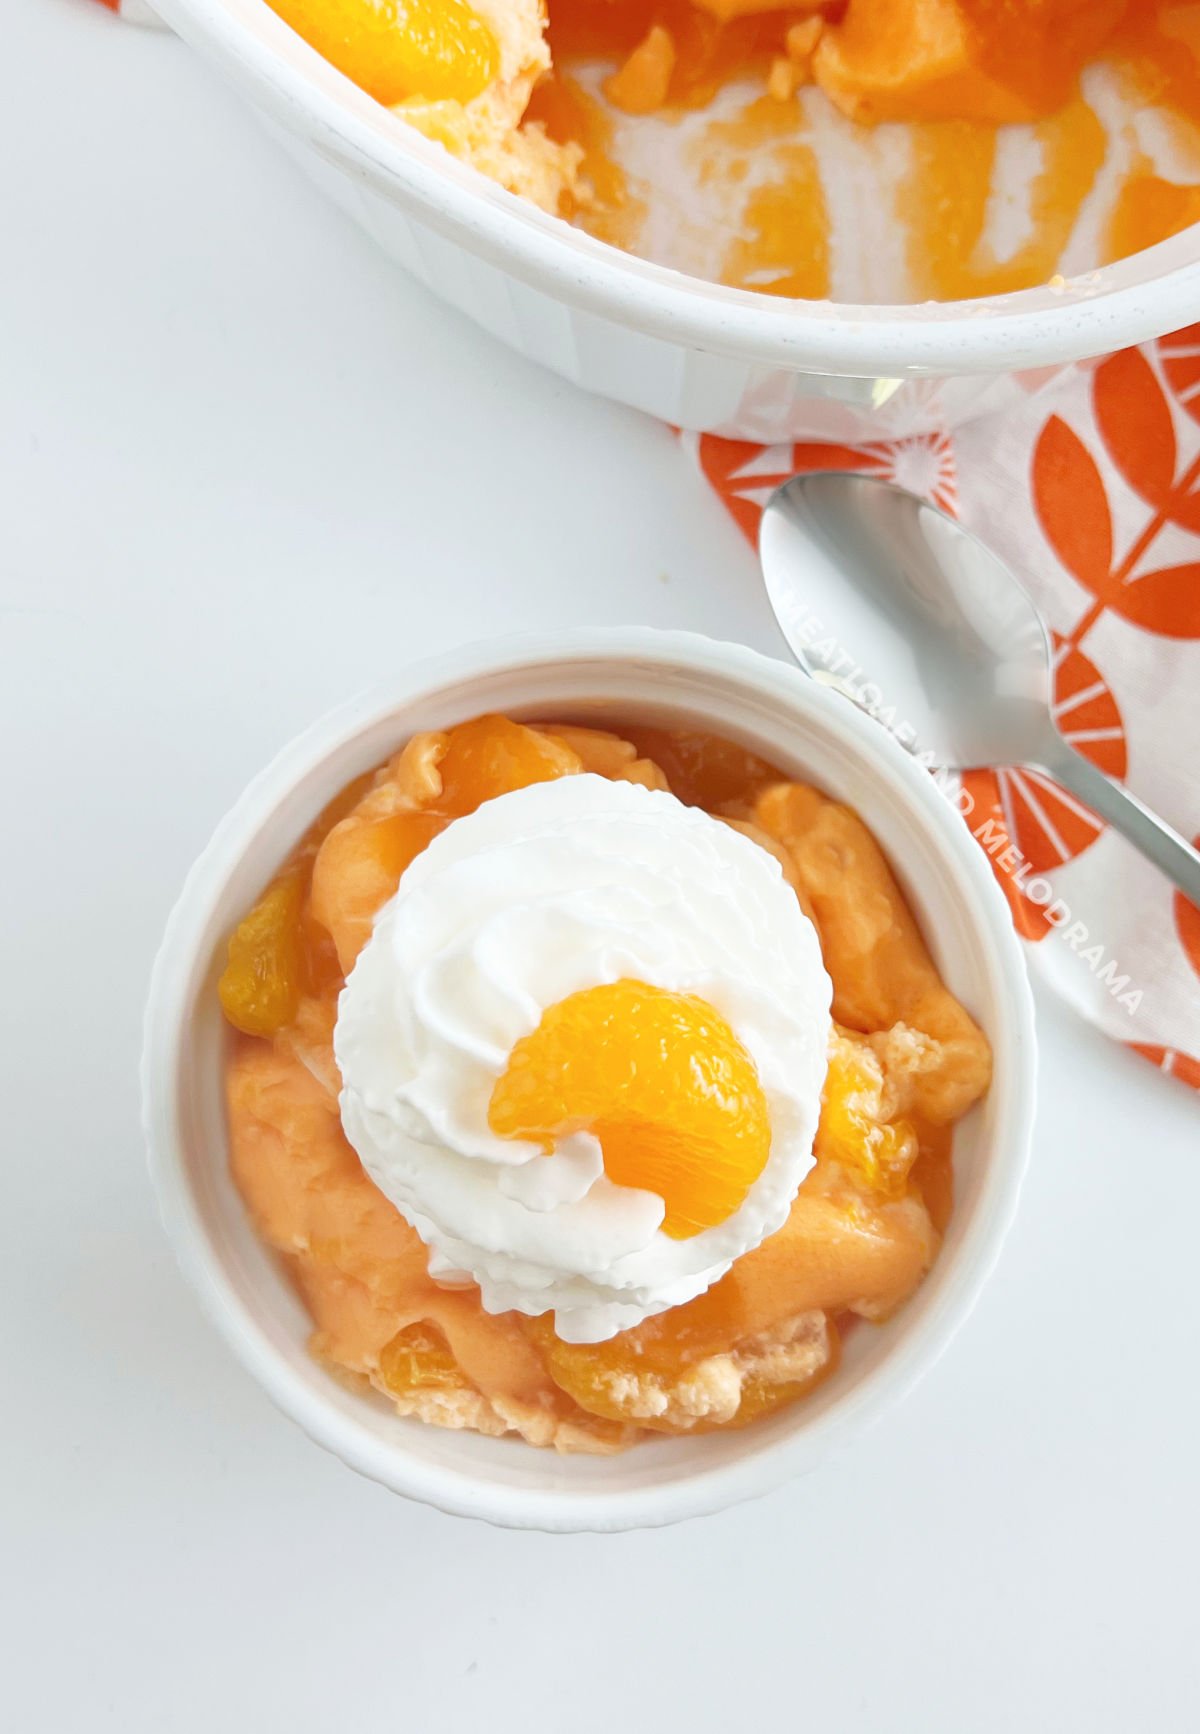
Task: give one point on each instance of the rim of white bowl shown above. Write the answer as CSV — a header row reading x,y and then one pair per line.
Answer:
x,y
779,1460
1145,296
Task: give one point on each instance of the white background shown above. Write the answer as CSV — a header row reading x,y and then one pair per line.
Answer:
x,y
244,468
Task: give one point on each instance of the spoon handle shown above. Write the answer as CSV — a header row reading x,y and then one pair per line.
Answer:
x,y
1158,842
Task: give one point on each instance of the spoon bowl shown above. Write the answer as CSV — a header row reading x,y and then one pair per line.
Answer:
x,y
882,595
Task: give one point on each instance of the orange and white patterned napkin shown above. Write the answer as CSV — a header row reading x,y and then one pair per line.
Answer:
x,y
1091,491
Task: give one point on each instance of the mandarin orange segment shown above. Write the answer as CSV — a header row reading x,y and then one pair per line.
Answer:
x,y
877,1153
357,870
641,84
262,981
613,1380
493,756
418,1358
663,1083
278,953
395,49
979,60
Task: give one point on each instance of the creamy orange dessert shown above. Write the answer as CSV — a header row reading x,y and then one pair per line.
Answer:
x,y
591,1085
859,149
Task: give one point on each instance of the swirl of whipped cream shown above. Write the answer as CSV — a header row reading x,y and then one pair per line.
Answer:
x,y
540,893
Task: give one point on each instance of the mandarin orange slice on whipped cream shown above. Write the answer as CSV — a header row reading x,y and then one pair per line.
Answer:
x,y
661,1081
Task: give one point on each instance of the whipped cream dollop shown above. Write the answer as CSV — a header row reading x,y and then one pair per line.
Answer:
x,y
541,893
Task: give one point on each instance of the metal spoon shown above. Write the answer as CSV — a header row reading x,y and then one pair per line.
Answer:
x,y
883,596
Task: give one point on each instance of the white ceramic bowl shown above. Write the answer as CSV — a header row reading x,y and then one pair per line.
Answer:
x,y
691,352
595,677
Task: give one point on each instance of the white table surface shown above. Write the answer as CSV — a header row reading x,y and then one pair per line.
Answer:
x,y
245,467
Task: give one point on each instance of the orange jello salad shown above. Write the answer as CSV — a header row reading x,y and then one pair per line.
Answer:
x,y
582,111
591,1085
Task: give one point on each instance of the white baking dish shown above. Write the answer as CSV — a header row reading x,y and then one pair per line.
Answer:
x,y
692,352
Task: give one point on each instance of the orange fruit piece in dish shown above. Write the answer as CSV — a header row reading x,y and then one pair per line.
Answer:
x,y
978,60
641,84
396,49
262,981
418,1358
277,954
664,1084
877,1153
494,756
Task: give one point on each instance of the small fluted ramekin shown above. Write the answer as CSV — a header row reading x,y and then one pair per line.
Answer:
x,y
600,677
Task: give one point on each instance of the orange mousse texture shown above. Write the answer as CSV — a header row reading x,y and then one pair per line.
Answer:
x,y
662,1080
